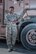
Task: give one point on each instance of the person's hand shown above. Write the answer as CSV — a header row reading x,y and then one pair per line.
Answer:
x,y
14,21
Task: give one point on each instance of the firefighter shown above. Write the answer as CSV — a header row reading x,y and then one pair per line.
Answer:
x,y
11,28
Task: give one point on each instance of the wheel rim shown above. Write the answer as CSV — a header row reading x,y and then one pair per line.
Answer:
x,y
31,37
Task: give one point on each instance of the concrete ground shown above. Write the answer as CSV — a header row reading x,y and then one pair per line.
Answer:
x,y
18,49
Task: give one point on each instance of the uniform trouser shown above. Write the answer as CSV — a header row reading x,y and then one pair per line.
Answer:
x,y
11,34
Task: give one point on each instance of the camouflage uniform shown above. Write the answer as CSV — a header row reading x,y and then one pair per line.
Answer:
x,y
11,29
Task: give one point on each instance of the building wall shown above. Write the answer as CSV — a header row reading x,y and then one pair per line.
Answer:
x,y
9,3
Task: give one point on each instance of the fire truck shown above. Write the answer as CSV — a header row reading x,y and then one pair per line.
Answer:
x,y
27,27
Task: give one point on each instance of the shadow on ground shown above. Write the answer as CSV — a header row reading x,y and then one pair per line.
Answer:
x,y
3,44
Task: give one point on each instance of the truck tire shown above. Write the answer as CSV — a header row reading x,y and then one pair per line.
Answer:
x,y
22,26
28,36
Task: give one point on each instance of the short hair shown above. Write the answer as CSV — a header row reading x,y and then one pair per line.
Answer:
x,y
11,7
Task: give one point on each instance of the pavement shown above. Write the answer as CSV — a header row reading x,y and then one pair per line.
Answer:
x,y
18,49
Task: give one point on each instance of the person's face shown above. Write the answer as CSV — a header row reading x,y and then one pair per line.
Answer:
x,y
11,10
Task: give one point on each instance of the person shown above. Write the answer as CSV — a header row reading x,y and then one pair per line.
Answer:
x,y
11,28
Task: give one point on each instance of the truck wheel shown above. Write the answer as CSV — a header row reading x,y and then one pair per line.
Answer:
x,y
28,36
